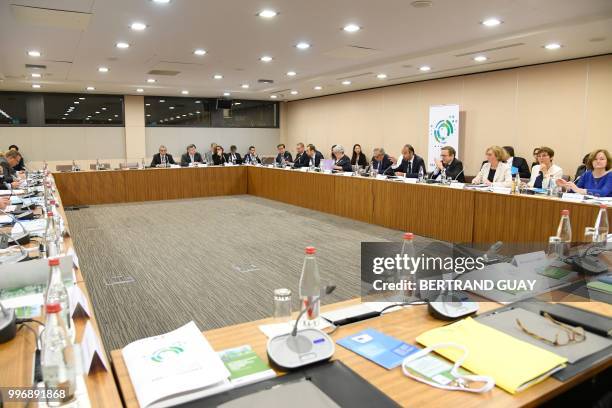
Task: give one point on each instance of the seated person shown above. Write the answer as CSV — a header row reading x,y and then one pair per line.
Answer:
x,y
233,156
20,166
582,168
251,156
358,159
517,162
597,180
8,163
301,158
495,171
219,158
381,162
542,173
209,154
314,156
333,156
449,162
283,154
343,163
162,158
410,163
5,201
191,157
535,157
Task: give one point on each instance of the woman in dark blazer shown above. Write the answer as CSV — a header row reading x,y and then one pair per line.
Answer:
x,y
358,157
219,158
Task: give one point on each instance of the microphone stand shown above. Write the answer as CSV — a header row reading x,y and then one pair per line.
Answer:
x,y
25,238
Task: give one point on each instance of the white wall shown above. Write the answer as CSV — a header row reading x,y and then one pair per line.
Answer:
x,y
61,145
177,139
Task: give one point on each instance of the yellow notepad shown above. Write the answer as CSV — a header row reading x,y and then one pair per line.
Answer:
x,y
514,364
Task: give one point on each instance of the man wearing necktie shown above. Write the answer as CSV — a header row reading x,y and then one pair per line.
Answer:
x,y
191,157
410,164
163,158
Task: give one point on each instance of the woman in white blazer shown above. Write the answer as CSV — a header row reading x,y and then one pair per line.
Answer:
x,y
495,172
545,171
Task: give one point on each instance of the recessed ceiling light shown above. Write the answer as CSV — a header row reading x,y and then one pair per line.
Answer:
x,y
226,94
185,92
346,82
97,112
34,53
65,114
294,92
122,45
302,45
139,90
161,1
36,86
425,68
170,107
267,13
273,96
90,88
491,22
218,76
116,116
162,100
237,103
81,98
552,46
244,86
151,80
317,88
184,115
104,109
103,69
381,76
198,112
266,58
148,115
200,52
63,118
36,75
351,28
76,102
147,104
421,3
109,119
291,73
480,58
137,26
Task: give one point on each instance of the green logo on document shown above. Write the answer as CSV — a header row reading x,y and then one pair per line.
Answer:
x,y
443,130
163,353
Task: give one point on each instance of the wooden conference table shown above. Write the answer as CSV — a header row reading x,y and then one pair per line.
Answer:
x,y
434,211
16,356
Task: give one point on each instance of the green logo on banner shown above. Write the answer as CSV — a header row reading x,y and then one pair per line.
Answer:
x,y
443,130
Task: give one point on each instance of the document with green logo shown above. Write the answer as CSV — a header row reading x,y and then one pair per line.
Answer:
x,y
245,366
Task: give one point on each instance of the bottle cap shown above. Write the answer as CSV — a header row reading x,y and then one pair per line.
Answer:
x,y
50,213
564,212
603,206
52,202
53,261
53,308
310,250
408,235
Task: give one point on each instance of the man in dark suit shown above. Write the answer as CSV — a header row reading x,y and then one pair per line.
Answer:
x,y
301,158
162,159
314,156
283,154
233,156
518,162
191,157
20,166
452,166
381,161
411,163
8,164
251,157
343,162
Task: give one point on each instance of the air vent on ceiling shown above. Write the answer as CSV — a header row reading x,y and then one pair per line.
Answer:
x,y
46,17
352,52
34,66
165,72
502,47
355,76
265,81
420,74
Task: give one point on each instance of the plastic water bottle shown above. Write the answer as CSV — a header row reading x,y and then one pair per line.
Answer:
x,y
564,232
310,288
421,175
58,358
51,242
408,252
56,290
602,226
443,176
516,185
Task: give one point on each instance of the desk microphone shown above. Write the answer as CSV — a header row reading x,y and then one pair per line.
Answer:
x,y
8,324
458,174
297,349
19,240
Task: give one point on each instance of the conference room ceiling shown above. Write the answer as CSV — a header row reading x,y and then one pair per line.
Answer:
x,y
77,37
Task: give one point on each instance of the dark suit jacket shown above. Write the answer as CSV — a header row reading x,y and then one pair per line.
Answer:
x,y
185,159
417,163
249,159
345,163
219,160
382,166
360,160
238,158
453,171
287,155
20,166
522,166
7,172
157,159
317,159
301,160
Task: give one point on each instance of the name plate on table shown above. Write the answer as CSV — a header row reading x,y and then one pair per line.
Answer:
x,y
572,197
270,166
229,164
78,302
410,180
327,172
34,272
91,350
501,190
304,169
458,186
381,177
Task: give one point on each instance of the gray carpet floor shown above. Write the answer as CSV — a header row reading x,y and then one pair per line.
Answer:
x,y
152,267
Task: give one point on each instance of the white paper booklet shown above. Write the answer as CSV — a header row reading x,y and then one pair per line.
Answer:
x,y
174,368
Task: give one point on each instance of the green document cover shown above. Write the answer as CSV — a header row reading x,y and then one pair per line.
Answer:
x,y
245,366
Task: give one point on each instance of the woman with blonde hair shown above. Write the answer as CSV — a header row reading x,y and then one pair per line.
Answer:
x,y
597,179
495,172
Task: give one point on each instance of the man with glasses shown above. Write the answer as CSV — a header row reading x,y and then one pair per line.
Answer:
x,y
163,158
448,162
